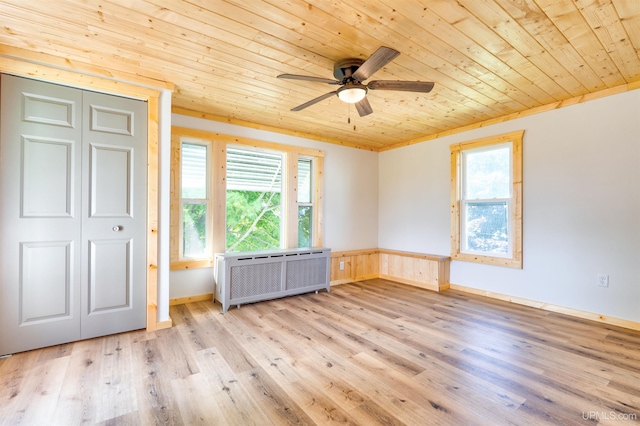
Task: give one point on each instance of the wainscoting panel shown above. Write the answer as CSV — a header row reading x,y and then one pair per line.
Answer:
x,y
418,269
358,265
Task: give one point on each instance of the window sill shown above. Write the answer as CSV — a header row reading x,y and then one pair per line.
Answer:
x,y
191,264
488,260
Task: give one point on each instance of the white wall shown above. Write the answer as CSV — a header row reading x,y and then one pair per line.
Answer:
x,y
350,197
581,206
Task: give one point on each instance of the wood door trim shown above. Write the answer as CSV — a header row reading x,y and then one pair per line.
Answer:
x,y
40,71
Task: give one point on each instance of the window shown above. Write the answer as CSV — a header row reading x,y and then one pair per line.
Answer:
x,y
194,201
487,200
254,200
305,202
237,194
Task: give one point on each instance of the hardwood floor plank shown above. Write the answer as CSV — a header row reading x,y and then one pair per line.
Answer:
x,y
322,409
54,352
196,388
77,397
156,402
627,383
277,405
346,395
178,345
548,397
370,353
129,419
272,355
194,334
117,385
278,358
37,400
346,384
13,370
404,403
372,413
234,400
236,355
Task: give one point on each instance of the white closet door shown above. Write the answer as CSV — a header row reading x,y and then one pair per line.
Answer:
x,y
114,215
40,215
62,278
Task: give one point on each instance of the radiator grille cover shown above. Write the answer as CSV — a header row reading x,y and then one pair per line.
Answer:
x,y
249,277
249,280
307,272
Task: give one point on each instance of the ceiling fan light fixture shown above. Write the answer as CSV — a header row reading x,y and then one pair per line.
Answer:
x,y
352,93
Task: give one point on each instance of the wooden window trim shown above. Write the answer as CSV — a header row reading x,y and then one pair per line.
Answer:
x,y
291,208
218,176
515,218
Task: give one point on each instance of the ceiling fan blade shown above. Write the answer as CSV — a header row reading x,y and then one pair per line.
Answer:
x,y
314,101
364,107
308,78
405,86
379,59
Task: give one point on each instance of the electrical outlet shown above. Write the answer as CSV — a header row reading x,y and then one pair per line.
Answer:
x,y
342,265
603,280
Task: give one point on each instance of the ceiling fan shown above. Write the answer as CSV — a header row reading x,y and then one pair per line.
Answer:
x,y
350,73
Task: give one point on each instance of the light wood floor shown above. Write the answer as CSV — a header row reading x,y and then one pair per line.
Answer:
x,y
374,352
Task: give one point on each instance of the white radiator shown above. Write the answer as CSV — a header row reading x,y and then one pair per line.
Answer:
x,y
260,275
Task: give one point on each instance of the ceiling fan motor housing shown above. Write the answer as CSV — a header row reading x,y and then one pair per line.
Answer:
x,y
344,69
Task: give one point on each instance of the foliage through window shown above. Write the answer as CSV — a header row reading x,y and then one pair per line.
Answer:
x,y
232,194
254,200
487,200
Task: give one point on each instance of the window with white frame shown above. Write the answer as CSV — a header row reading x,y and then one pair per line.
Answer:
x,y
487,200
195,200
305,202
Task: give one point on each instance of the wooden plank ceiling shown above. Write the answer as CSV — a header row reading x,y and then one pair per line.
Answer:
x,y
488,58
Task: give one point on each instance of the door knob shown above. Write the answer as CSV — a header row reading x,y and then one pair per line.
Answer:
x,y
116,228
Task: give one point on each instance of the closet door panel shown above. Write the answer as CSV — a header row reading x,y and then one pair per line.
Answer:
x,y
47,178
110,275
114,217
46,281
40,219
111,181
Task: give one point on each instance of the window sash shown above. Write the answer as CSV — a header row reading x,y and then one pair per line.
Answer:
x,y
305,180
466,202
464,175
194,168
465,224
190,235
305,202
305,239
